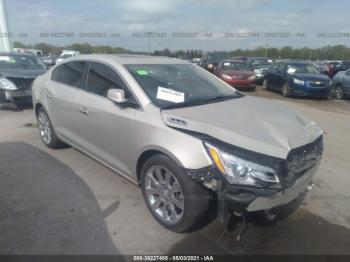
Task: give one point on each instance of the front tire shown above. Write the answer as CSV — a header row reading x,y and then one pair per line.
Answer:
x,y
265,84
175,200
46,131
338,92
286,90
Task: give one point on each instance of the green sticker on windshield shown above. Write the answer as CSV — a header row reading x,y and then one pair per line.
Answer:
x,y
142,72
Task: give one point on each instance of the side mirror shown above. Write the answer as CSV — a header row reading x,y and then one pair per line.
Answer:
x,y
116,95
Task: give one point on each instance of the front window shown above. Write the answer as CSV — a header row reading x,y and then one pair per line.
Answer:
x,y
180,85
302,69
235,66
21,62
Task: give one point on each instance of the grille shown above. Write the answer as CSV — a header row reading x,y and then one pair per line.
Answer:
x,y
263,71
22,83
318,84
240,77
301,160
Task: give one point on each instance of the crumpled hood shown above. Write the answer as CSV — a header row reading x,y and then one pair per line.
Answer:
x,y
21,73
251,123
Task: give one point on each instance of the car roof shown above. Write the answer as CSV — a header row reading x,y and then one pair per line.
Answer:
x,y
259,57
233,60
15,54
294,61
131,59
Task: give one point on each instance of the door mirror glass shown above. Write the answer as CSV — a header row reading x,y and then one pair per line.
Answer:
x,y
116,95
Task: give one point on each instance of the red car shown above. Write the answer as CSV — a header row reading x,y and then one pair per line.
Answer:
x,y
236,73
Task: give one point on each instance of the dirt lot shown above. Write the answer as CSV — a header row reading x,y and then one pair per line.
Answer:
x,y
63,202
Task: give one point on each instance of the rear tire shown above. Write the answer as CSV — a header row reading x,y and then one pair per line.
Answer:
x,y
179,205
47,132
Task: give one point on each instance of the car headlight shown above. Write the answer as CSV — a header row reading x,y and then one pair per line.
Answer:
x,y
298,81
239,171
210,66
251,78
258,71
7,84
224,76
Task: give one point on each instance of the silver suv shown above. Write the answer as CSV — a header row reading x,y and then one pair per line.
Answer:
x,y
186,137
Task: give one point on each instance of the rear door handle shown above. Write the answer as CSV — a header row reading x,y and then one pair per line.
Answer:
x,y
83,110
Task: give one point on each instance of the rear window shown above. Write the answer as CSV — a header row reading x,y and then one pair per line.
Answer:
x,y
70,73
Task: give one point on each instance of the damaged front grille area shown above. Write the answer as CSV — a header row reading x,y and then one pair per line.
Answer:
x,y
22,83
300,161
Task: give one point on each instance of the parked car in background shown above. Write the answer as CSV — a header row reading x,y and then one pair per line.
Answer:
x,y
36,52
17,72
333,68
259,65
48,60
241,58
321,67
297,78
66,54
345,65
237,74
180,133
341,84
211,59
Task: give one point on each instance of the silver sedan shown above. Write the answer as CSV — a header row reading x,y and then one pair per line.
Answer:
x,y
186,137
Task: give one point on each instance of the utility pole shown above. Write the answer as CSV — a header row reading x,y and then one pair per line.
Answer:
x,y
266,50
5,43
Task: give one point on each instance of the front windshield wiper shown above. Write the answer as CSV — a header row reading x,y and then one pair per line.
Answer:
x,y
202,102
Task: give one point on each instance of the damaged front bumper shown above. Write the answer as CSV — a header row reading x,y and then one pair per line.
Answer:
x,y
295,174
279,199
15,96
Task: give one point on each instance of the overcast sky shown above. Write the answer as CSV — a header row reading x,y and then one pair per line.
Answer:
x,y
214,24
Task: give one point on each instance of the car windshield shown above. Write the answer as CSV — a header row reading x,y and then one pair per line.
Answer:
x,y
302,69
262,61
234,66
180,85
20,62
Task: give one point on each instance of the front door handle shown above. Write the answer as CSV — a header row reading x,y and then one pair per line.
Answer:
x,y
49,96
83,110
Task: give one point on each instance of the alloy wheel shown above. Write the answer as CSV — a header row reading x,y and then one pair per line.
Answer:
x,y
164,194
44,127
285,90
265,84
338,92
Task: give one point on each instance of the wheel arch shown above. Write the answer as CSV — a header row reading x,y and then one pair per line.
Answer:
x,y
147,154
37,107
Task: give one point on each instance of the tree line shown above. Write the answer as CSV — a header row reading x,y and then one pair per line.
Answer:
x,y
336,52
